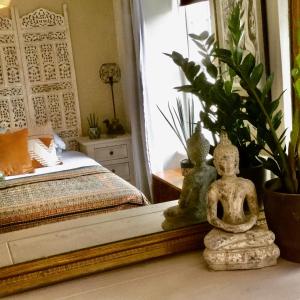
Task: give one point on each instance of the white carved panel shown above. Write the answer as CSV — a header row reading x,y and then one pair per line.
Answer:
x,y
13,100
49,71
252,20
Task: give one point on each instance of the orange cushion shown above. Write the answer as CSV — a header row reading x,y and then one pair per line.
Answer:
x,y
14,155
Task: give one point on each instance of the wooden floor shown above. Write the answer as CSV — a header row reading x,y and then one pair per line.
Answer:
x,y
181,276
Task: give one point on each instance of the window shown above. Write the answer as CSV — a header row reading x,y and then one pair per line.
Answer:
x,y
166,29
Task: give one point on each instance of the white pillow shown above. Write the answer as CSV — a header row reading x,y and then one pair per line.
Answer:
x,y
59,143
44,155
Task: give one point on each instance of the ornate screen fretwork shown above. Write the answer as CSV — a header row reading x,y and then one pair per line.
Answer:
x,y
13,101
47,91
252,20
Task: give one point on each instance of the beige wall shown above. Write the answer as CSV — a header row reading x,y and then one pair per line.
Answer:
x,y
94,43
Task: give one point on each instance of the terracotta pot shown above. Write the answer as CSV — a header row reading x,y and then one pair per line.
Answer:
x,y
283,218
257,175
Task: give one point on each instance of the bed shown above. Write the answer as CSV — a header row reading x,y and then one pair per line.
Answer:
x,y
34,108
78,187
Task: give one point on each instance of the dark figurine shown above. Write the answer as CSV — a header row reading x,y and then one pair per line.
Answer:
x,y
114,127
191,208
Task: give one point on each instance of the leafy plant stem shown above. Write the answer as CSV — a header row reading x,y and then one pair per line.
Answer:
x,y
287,172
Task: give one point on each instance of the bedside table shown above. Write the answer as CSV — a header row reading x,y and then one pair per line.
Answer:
x,y
167,185
114,153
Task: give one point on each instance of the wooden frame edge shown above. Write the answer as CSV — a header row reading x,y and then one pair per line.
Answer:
x,y
294,13
51,270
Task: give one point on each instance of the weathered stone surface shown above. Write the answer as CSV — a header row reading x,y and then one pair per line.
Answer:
x,y
236,243
191,207
258,236
241,259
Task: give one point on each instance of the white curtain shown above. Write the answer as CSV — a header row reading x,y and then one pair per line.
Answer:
x,y
129,27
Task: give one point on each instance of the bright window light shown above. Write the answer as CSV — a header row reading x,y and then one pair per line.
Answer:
x,y
4,3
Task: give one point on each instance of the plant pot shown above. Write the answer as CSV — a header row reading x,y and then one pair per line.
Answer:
x,y
94,133
283,218
186,166
257,175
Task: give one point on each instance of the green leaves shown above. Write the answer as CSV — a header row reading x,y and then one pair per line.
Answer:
x,y
210,67
234,25
271,165
203,36
189,68
183,126
247,65
257,74
268,85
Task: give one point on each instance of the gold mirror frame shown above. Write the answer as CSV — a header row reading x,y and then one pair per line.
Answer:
x,y
46,271
58,268
295,25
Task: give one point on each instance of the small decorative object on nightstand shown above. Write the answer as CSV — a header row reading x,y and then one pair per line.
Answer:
x,y
113,153
110,73
94,128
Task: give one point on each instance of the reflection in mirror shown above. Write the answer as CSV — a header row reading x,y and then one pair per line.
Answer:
x,y
37,79
46,209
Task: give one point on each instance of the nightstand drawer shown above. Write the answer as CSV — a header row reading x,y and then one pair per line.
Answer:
x,y
121,170
112,152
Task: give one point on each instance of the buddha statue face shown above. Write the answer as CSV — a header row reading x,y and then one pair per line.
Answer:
x,y
198,146
226,157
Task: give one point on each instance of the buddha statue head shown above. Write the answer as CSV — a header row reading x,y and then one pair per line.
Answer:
x,y
226,157
198,146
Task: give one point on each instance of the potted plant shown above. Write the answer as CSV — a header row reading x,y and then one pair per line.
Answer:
x,y
183,125
281,197
223,105
94,128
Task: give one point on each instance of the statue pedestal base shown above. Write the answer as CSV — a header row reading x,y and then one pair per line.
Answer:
x,y
176,218
239,251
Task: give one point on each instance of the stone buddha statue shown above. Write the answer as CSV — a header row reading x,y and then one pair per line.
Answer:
x,y
191,208
236,242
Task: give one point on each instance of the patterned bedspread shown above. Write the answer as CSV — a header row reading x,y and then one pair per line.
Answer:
x,y
41,199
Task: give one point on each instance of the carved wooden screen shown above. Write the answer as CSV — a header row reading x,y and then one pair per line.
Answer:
x,y
37,75
49,71
13,101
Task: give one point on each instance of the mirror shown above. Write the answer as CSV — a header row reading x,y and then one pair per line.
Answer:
x,y
90,247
